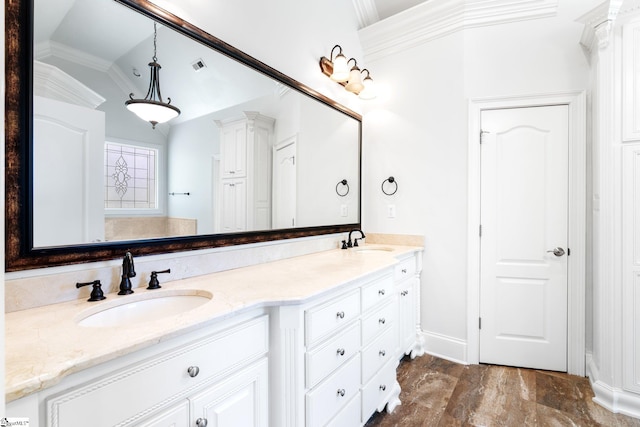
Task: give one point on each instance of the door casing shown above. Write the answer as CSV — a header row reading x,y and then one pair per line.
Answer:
x,y
576,102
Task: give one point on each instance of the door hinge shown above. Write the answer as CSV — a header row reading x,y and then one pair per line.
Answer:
x,y
568,251
480,230
482,132
479,322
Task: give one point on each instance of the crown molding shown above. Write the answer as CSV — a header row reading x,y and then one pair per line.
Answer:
x,y
50,48
51,82
366,12
53,49
599,22
438,18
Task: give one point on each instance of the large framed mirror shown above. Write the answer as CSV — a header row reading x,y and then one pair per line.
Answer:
x,y
252,156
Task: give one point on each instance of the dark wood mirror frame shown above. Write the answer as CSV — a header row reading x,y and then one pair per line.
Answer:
x,y
20,254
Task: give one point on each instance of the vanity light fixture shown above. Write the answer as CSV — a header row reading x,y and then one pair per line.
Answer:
x,y
152,109
337,69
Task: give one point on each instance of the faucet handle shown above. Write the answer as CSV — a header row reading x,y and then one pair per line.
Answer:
x,y
153,281
344,244
355,242
96,292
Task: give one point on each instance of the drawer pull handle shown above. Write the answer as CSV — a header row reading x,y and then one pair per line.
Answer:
x,y
193,371
404,293
340,352
340,314
382,353
383,387
382,320
381,292
404,271
202,422
341,392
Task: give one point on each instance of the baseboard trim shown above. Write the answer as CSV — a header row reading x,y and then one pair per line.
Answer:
x,y
613,399
445,347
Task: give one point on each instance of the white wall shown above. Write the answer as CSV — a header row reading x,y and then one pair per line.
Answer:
x,y
191,171
418,134
323,159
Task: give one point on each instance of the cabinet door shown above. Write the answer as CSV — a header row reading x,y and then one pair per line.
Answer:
x,y
407,315
234,205
176,416
233,150
631,267
241,400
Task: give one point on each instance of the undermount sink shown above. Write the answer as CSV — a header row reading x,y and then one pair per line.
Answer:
x,y
143,307
375,249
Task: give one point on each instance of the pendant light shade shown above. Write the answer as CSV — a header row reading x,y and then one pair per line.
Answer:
x,y
152,109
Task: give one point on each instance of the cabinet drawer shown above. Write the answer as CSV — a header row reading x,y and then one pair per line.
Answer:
x,y
326,358
330,396
376,393
350,415
378,353
376,291
405,269
377,321
159,379
325,318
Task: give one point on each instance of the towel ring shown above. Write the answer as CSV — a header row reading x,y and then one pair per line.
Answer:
x,y
391,180
343,182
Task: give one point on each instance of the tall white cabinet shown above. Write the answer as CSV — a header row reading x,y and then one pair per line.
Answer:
x,y
612,36
245,172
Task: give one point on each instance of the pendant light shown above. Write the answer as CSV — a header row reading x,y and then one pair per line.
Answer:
x,y
152,109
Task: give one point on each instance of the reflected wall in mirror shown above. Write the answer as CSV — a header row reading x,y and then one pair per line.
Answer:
x,y
253,156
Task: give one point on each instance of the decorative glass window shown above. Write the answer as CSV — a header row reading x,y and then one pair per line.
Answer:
x,y
130,177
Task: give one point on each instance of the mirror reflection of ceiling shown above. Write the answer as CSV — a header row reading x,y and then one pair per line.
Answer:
x,y
125,55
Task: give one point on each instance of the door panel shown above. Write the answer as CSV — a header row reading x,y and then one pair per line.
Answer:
x,y
68,154
524,207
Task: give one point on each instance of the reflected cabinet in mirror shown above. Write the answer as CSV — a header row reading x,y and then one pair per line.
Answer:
x,y
246,154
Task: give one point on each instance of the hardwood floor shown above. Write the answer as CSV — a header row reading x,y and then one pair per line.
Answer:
x,y
436,392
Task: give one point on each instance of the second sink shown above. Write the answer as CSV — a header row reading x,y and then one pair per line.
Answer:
x,y
143,307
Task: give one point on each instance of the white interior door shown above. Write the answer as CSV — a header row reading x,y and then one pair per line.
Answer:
x,y
284,185
524,208
68,158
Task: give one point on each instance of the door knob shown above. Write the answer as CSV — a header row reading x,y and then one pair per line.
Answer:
x,y
557,251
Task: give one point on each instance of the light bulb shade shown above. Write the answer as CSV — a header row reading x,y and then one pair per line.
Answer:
x,y
369,89
355,84
340,69
151,111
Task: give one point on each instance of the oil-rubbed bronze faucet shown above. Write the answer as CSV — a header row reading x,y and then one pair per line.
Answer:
x,y
128,271
351,244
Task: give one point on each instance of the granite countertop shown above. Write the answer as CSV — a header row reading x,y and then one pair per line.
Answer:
x,y
45,344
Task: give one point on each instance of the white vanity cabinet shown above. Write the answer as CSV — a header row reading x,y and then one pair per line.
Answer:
x,y
338,366
245,172
200,379
407,285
